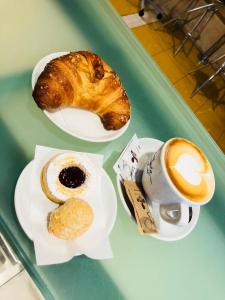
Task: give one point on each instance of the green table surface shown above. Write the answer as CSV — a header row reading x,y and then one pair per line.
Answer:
x,y
142,267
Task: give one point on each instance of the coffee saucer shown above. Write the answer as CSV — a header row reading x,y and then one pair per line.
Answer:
x,y
166,231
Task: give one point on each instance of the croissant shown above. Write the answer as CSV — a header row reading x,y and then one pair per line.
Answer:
x,y
83,80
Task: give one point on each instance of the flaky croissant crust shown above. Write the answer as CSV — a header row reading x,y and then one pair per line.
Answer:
x,y
83,80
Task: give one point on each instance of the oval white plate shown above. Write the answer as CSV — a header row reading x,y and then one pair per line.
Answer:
x,y
74,121
167,231
21,200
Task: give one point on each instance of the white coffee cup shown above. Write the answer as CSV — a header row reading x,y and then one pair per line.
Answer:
x,y
158,185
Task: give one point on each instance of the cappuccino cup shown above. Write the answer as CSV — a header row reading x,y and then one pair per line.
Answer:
x,y
179,173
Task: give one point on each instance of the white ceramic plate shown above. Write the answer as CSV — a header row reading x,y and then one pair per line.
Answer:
x,y
167,231
21,200
77,122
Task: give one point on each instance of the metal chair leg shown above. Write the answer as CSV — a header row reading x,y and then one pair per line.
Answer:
x,y
189,34
207,64
204,57
217,72
142,8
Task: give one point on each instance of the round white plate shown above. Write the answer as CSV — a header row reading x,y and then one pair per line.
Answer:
x,y
77,122
167,231
21,200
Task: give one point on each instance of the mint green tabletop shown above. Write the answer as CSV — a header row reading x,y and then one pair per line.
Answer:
x,y
143,267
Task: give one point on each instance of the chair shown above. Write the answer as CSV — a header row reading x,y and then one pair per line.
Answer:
x,y
206,12
144,3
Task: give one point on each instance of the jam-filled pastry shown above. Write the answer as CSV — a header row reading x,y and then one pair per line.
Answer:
x,y
66,175
71,219
83,80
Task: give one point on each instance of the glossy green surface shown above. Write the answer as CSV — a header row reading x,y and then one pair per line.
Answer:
x,y
142,267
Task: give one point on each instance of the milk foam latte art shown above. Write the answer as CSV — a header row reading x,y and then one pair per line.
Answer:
x,y
179,172
189,170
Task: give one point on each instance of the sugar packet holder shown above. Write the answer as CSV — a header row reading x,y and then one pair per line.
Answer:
x,y
126,167
145,221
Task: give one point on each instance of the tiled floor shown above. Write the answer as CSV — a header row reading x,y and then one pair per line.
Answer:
x,y
208,105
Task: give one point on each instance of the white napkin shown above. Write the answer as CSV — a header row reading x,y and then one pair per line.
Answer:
x,y
50,249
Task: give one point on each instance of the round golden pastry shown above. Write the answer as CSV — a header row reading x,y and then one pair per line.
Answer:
x,y
67,175
71,219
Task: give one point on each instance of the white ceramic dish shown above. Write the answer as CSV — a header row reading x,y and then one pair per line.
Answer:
x,y
21,200
167,231
74,121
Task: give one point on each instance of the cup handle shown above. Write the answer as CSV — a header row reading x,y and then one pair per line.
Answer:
x,y
176,213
